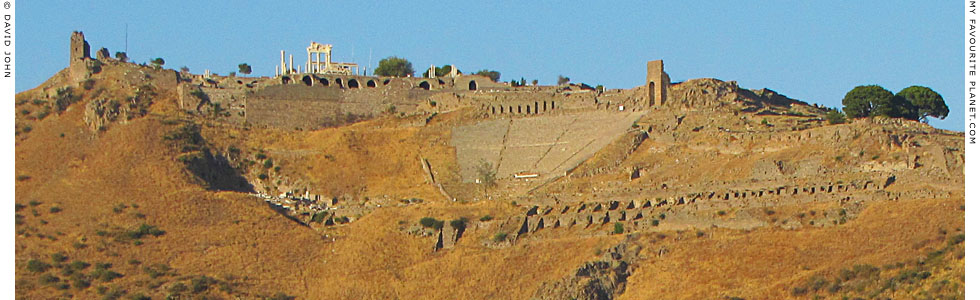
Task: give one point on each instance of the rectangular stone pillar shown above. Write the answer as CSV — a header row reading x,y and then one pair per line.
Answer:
x,y
657,82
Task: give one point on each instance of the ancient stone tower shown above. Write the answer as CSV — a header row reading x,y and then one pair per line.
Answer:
x,y
657,82
78,63
79,48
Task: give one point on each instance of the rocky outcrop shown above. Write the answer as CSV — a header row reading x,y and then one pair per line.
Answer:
x,y
601,279
100,113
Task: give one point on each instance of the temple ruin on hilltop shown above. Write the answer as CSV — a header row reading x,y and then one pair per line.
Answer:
x,y
318,61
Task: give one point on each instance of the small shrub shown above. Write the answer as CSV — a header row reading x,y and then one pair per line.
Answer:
x,y
799,291
281,296
458,224
78,265
37,266
103,274
618,228
486,218
263,176
139,296
260,156
33,202
59,257
655,223
268,163
835,117
429,222
770,212
49,279
721,213
318,217
80,282
700,233
156,270
956,239
499,237
55,210
663,216
88,84
202,283
177,288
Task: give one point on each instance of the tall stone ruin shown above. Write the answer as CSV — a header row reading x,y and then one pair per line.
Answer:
x,y
79,48
79,57
657,82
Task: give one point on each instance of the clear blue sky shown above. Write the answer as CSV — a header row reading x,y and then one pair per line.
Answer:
x,y
811,51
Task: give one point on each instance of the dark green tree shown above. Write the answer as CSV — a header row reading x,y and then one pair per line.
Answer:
x,y
157,62
871,100
926,101
563,80
121,56
394,66
493,75
443,71
835,117
244,68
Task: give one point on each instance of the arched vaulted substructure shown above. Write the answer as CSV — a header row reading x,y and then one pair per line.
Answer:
x,y
424,85
286,80
353,83
528,110
473,85
308,80
493,110
324,82
371,83
340,82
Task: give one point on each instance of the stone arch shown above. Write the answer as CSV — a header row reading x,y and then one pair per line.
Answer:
x,y
425,85
511,109
518,109
493,110
501,109
286,80
308,80
544,106
353,83
528,109
441,82
386,82
473,85
371,83
552,104
535,107
340,82
324,81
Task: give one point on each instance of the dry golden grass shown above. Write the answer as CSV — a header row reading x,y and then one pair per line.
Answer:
x,y
125,176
